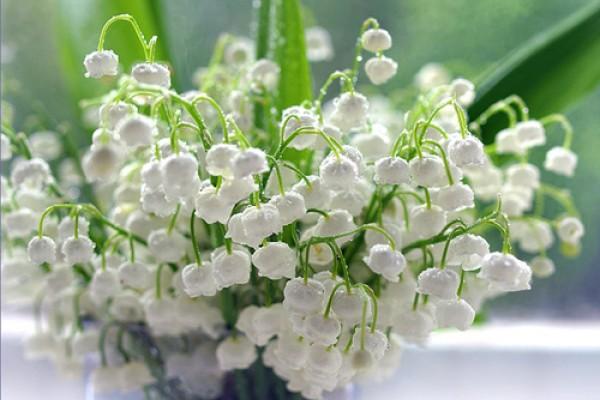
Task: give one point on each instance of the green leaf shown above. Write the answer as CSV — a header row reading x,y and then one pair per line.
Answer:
x,y
289,52
550,72
78,24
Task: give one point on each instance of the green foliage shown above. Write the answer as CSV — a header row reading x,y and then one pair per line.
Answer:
x,y
550,72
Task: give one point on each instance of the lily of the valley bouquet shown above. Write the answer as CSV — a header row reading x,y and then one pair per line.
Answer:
x,y
279,250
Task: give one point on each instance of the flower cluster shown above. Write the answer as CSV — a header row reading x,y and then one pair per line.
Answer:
x,y
318,238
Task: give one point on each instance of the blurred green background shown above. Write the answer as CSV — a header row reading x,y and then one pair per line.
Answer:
x,y
41,37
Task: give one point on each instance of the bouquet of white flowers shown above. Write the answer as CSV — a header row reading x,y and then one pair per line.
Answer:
x,y
230,238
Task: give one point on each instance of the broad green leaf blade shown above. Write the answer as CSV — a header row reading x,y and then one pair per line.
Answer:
x,y
78,24
290,53
550,72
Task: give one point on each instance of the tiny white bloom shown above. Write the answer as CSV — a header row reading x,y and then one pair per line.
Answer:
x,y
376,40
380,69
152,74
561,161
101,63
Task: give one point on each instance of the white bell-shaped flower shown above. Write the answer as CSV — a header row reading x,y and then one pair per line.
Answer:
x,y
137,130
542,267
166,246
135,275
375,342
41,250
78,250
20,223
34,172
523,175
249,162
441,283
468,251
392,171
455,197
454,314
338,173
261,222
321,330
264,73
45,145
275,260
570,230
231,269
104,285
199,280
210,207
318,44
507,142
303,298
152,74
536,237
219,159
112,113
268,322
180,175
350,111
373,145
234,190
102,163
382,259
380,69
505,271
348,306
426,222
305,118
466,151
327,360
155,201
151,175
291,206
376,40
428,171
414,326
561,161
317,195
530,133
463,90
337,222
99,64
236,353
237,232
292,350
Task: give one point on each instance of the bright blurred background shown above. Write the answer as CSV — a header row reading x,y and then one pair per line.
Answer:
x,y
44,41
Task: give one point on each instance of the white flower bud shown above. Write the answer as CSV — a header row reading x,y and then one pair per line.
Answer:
x,y
104,285
376,40
264,73
275,260
101,63
199,280
316,195
151,175
180,176
463,90
468,251
350,111
505,272
135,275
392,171
291,207
376,343
537,236
152,74
302,298
267,322
102,163
165,246
45,145
561,161
304,119
414,326
456,197
441,283
380,69
154,201
20,223
236,353
327,360
385,261
240,51
234,190
507,142
348,306
337,222
523,175
34,172
428,171
112,113
137,130
231,269
41,250
352,200
570,230
210,207
466,152
318,44
454,314
373,145
261,222
291,350
78,251
249,162
5,150
338,173
321,330
426,222
431,75
219,159
530,134
237,232
542,267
